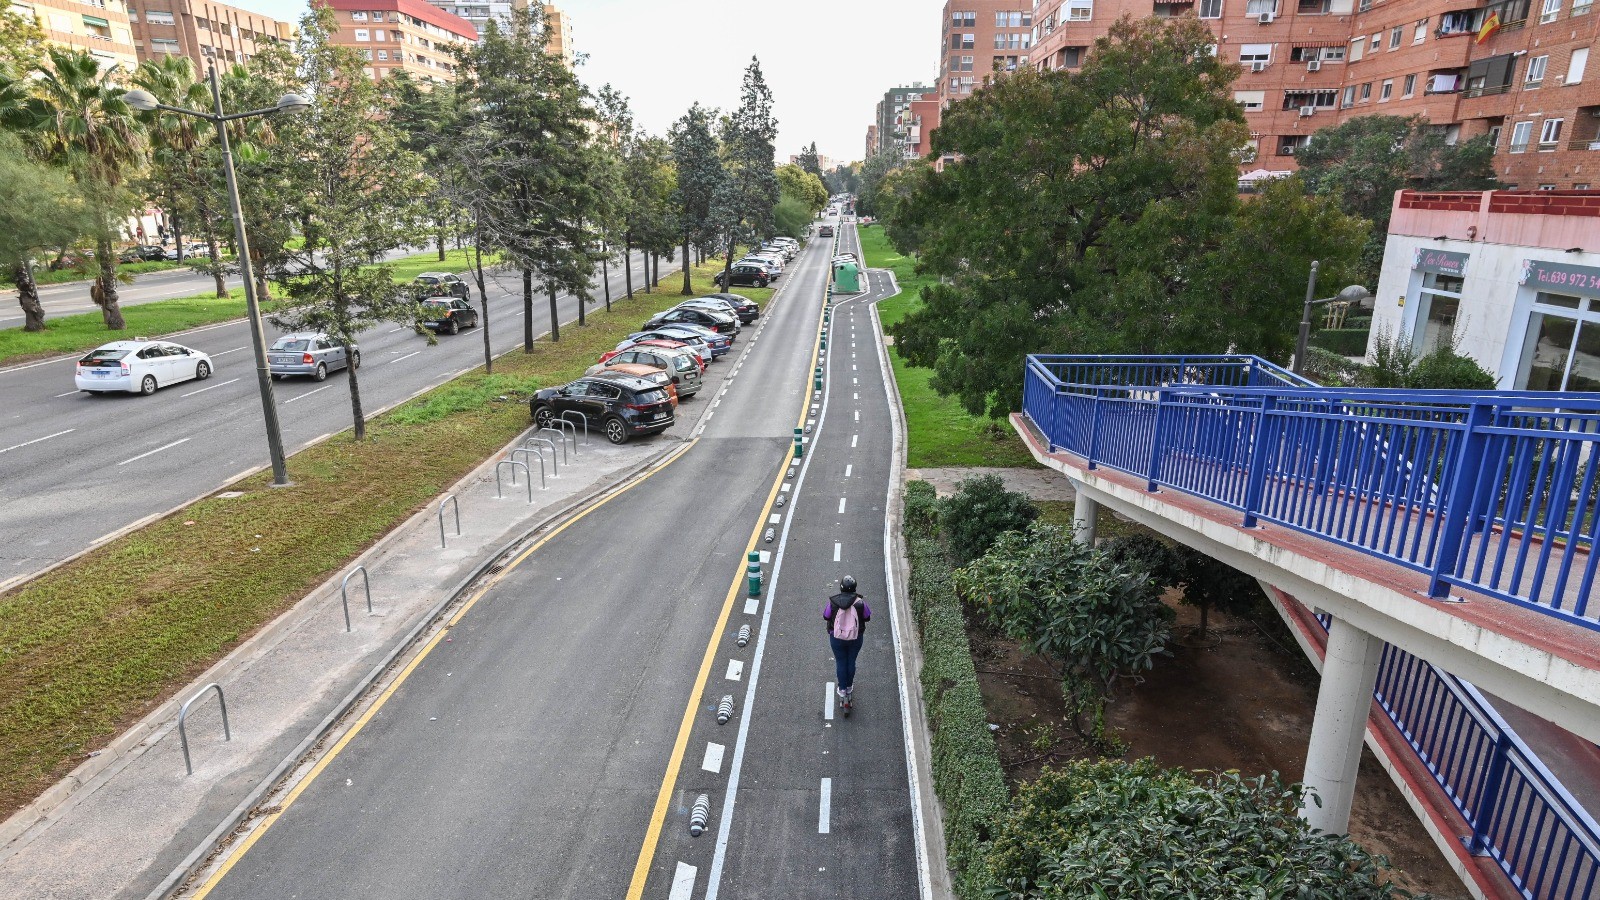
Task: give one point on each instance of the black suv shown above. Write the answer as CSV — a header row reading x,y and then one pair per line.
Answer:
x,y
447,315
755,276
621,405
142,253
721,323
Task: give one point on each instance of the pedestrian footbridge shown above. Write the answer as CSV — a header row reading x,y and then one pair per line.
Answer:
x,y
1433,551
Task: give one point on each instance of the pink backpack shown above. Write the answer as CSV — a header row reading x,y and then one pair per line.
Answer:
x,y
846,623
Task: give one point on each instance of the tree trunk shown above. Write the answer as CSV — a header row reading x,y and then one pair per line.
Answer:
x,y
727,267
605,274
214,247
649,283
527,310
355,398
687,287
555,317
441,240
104,289
28,296
1205,613
483,301
627,263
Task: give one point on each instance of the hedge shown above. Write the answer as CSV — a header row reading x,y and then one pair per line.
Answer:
x,y
966,764
1343,341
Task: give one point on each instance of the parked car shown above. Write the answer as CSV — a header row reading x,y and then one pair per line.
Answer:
x,y
142,253
447,315
189,250
696,343
720,344
749,311
140,366
440,284
310,353
720,322
680,365
653,374
753,275
715,304
623,406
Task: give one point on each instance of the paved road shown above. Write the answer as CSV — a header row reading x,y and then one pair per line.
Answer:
x,y
75,467
537,754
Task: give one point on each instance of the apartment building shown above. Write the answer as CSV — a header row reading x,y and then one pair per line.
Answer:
x,y
480,12
893,116
872,141
558,25
980,37
97,27
203,31
402,36
1513,69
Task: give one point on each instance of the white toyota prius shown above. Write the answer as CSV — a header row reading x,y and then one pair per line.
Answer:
x,y
140,366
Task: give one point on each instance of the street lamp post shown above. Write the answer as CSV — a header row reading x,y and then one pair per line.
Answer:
x,y
144,101
1355,293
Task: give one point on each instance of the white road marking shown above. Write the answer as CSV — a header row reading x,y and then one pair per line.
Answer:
x,y
855,381
858,418
855,396
735,669
854,437
847,470
155,451
394,330
683,882
751,605
837,548
841,506
37,440
308,393
407,356
67,394
785,488
766,557
713,758
775,518
853,367
226,352
827,704
823,809
212,387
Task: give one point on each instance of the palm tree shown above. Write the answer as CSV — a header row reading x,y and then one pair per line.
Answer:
x,y
181,166
80,122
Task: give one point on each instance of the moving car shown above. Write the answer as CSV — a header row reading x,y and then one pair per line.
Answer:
x,y
142,253
447,315
441,284
679,365
623,406
309,353
825,231
753,275
140,366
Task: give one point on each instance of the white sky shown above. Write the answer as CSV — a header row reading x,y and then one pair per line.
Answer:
x,y
828,62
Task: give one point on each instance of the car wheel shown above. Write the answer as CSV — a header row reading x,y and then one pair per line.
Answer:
x,y
355,360
322,372
616,430
453,328
543,416
202,371
148,386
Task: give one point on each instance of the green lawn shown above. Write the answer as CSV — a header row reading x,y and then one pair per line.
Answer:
x,y
941,432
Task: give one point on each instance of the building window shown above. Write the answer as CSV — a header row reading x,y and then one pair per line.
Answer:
x,y
1550,134
1210,9
1260,7
1396,34
377,15
1250,101
1562,348
1490,76
1386,90
1289,143
1377,41
383,54
1439,304
1349,99
1080,10
1301,99
1069,57
358,16
1366,92
963,64
1314,7
378,34
1410,86
1421,34
1255,53
1357,48
363,35
1550,11
1536,67
157,17
965,41
164,45
367,55
964,19
1576,64
1547,187
1520,133
1494,136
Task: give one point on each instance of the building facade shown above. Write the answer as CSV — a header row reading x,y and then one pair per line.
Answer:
x,y
893,117
402,36
1515,70
872,141
480,12
1514,276
97,27
559,25
203,31
981,37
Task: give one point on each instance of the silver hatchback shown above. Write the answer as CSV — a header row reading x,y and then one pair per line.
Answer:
x,y
309,353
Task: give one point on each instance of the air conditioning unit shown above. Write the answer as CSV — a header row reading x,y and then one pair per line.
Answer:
x,y
1266,18
1314,65
1307,111
1258,66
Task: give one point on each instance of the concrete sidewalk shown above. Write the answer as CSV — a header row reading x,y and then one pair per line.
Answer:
x,y
126,820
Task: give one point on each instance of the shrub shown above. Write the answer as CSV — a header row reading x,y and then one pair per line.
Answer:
x,y
1111,828
1145,553
1210,583
980,511
1329,368
922,508
1343,341
1395,364
1445,369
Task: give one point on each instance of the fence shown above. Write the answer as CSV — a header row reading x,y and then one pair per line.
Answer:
x,y
1491,491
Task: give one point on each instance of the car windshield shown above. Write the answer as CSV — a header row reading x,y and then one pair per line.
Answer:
x,y
682,363
103,356
296,344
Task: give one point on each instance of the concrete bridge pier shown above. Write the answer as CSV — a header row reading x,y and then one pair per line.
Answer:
x,y
1349,676
1085,514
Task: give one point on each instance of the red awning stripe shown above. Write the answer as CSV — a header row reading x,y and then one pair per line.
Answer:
x,y
1313,44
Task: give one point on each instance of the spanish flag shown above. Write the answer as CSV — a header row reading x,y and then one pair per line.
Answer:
x,y
1490,26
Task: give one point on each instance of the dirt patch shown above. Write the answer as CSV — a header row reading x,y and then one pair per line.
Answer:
x,y
1244,702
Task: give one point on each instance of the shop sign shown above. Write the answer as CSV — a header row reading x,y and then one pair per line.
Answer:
x,y
1561,276
1440,262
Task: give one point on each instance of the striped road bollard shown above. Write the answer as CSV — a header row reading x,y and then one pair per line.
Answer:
x,y
754,571
799,444
724,709
744,635
699,815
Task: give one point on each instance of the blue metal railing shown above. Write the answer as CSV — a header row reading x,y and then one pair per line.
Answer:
x,y
1486,491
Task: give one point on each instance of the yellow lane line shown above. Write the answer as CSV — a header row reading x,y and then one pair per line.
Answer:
x,y
271,818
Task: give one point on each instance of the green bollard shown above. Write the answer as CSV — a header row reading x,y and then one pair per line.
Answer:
x,y
754,571
816,384
824,342
799,443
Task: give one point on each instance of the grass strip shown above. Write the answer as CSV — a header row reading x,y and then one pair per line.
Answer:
x,y
91,647
939,431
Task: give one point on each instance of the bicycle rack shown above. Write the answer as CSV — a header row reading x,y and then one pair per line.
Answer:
x,y
555,468
530,453
561,441
344,596
513,464
581,420
562,427
456,505
183,713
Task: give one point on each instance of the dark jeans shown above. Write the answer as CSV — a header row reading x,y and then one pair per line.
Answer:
x,y
844,660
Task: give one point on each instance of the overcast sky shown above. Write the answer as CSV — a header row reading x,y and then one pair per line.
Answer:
x,y
828,62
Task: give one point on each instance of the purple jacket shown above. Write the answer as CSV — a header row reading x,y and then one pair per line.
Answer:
x,y
840,601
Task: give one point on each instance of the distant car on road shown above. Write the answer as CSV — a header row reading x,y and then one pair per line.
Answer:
x,y
309,353
190,250
142,253
441,284
447,315
825,231
622,405
140,366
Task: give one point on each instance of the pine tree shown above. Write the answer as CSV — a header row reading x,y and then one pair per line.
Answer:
x,y
744,204
700,174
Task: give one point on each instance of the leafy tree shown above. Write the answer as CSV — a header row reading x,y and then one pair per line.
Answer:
x,y
808,189
843,179
1362,161
266,166
697,159
39,208
981,510
743,205
78,121
1098,210
21,40
873,172
426,118
811,163
650,182
1109,828
355,197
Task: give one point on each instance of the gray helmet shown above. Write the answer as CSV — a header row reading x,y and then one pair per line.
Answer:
x,y
847,584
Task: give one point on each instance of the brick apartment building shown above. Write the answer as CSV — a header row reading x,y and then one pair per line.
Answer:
x,y
893,117
872,141
481,12
978,38
1309,64
402,36
203,31
97,27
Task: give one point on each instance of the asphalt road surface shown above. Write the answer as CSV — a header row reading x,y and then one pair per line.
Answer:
x,y
555,745
75,467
